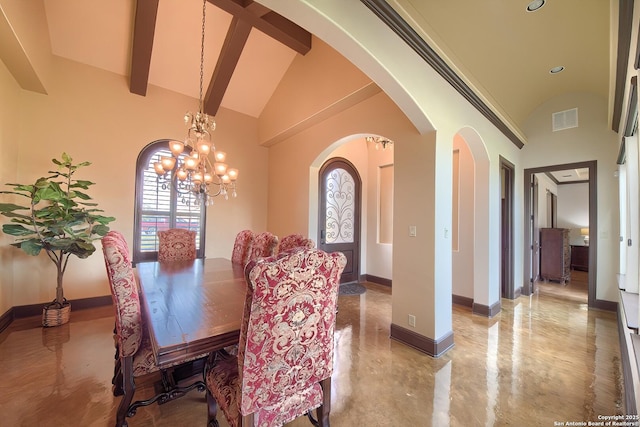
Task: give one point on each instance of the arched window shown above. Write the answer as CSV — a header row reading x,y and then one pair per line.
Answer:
x,y
160,206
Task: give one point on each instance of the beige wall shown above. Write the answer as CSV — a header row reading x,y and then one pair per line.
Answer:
x,y
90,114
315,86
591,140
9,138
573,210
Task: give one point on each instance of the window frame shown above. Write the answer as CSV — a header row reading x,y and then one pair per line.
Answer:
x,y
142,164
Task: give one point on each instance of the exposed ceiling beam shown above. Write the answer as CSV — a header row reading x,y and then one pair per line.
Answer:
x,y
270,23
143,33
15,58
246,15
229,55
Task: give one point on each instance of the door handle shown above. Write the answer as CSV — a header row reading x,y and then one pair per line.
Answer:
x,y
322,236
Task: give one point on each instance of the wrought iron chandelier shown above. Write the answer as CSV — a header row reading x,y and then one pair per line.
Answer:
x,y
189,167
378,140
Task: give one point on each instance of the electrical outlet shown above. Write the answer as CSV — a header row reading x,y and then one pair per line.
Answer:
x,y
412,320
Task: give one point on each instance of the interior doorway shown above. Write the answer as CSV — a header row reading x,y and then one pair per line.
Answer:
x,y
339,213
531,241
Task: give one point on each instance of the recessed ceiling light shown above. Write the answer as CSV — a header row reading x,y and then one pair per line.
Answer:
x,y
556,70
535,5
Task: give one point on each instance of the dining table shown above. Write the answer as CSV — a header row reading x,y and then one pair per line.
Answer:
x,y
192,308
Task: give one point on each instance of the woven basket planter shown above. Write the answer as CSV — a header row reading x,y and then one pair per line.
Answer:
x,y
55,316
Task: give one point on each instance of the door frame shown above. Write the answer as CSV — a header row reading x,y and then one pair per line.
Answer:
x,y
506,231
353,171
527,288
534,228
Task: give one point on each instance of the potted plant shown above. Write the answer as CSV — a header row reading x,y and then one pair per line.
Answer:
x,y
59,219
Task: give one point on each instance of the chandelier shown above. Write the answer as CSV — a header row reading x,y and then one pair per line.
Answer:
x,y
378,140
190,167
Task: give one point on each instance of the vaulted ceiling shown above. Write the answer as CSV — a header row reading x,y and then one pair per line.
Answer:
x,y
248,48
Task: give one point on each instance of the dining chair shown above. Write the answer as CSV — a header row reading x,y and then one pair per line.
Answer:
x,y
292,241
285,353
176,244
264,245
133,348
241,247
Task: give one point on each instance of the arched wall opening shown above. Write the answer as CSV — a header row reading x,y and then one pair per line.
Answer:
x,y
375,255
474,262
463,223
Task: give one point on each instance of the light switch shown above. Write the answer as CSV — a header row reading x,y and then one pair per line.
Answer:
x,y
412,231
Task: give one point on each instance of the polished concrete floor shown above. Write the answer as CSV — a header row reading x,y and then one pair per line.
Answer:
x,y
543,359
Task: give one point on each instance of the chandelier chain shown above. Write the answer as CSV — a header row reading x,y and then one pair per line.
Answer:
x,y
204,10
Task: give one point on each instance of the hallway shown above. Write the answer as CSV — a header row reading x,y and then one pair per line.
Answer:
x,y
542,359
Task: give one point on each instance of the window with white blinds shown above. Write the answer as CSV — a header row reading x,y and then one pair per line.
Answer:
x,y
160,206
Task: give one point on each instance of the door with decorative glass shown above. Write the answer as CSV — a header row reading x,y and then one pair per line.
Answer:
x,y
339,216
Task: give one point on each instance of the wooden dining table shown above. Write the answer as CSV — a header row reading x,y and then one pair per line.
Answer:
x,y
191,307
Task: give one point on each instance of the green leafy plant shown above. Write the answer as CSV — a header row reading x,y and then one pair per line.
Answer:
x,y
59,219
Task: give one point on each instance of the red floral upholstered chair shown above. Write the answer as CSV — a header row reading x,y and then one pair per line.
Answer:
x,y
133,348
285,354
176,244
264,245
135,355
241,247
292,241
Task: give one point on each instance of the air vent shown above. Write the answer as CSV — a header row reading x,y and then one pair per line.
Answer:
x,y
565,119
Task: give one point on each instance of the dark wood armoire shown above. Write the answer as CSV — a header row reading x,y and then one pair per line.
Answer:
x,y
555,254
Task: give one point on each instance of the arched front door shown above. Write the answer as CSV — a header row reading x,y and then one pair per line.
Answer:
x,y
339,216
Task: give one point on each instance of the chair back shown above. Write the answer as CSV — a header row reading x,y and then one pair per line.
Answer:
x,y
124,292
293,241
286,337
176,244
241,247
264,245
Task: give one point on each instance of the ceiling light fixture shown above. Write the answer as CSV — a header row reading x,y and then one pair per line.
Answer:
x,y
189,168
379,141
535,5
556,70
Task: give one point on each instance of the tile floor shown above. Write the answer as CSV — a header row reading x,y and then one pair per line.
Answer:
x,y
544,358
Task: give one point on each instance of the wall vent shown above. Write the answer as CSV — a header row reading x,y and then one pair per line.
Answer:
x,y
565,119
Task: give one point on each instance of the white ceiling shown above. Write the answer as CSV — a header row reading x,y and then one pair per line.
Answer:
x,y
571,175
503,52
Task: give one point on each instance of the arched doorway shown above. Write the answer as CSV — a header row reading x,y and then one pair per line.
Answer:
x,y
483,293
339,213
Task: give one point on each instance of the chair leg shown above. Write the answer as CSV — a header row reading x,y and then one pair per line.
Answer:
x,y
247,421
117,368
212,410
117,379
324,409
129,388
